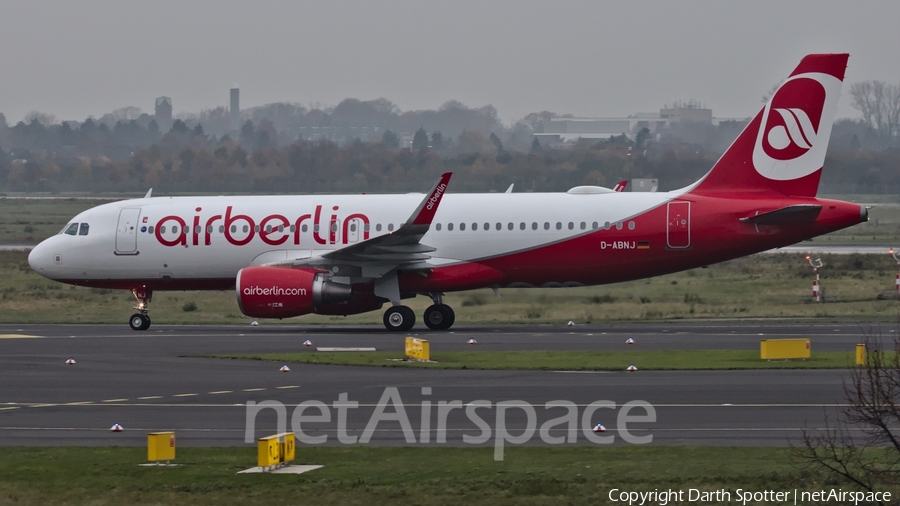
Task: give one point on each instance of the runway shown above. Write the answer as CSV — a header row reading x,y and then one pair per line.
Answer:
x,y
158,380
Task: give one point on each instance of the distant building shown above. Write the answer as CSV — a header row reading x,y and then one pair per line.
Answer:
x,y
644,185
235,110
571,129
163,109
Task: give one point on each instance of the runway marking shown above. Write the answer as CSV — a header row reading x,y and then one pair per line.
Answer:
x,y
220,392
253,389
7,409
79,403
115,400
287,386
184,395
18,336
147,398
43,405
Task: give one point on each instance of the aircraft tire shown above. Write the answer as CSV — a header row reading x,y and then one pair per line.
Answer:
x,y
399,318
139,322
449,316
439,317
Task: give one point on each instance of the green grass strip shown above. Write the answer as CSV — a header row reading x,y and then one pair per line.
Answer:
x,y
369,475
573,360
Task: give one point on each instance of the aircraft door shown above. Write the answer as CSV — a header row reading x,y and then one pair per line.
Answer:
x,y
678,225
126,232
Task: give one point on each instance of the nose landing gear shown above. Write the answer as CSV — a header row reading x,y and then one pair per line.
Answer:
x,y
140,320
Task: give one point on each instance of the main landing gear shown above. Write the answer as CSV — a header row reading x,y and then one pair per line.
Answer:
x,y
438,316
140,320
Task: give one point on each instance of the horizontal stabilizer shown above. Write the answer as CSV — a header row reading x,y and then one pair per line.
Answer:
x,y
800,213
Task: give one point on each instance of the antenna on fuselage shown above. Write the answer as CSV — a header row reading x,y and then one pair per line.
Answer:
x,y
149,192
509,190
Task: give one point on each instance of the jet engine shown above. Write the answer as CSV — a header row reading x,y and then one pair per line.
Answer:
x,y
283,292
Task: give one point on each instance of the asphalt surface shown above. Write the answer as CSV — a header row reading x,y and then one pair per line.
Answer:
x,y
158,380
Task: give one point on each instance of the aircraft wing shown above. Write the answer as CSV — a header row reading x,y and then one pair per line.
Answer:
x,y
398,248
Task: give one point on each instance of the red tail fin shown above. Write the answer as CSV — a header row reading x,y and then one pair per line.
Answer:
x,y
783,148
620,186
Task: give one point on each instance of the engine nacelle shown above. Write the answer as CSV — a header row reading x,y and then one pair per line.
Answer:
x,y
283,292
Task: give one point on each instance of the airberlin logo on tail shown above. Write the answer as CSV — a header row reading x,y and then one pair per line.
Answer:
x,y
795,127
793,118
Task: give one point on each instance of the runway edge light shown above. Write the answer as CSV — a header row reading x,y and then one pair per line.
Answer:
x,y
472,341
631,368
285,368
599,427
307,343
70,361
116,427
629,341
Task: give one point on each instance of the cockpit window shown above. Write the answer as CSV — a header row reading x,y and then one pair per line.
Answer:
x,y
72,229
85,228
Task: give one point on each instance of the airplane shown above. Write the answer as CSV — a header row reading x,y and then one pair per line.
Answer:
x,y
291,255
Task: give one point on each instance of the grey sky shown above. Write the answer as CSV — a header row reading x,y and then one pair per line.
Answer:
x,y
589,58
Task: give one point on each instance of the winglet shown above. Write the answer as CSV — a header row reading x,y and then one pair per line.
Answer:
x,y
429,206
149,193
620,186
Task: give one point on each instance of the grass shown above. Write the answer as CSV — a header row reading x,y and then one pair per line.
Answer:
x,y
390,475
856,288
575,360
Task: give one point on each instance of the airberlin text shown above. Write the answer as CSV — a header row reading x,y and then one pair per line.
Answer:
x,y
273,290
274,229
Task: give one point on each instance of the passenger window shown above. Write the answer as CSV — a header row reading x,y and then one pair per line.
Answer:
x,y
522,226
534,225
583,225
352,227
595,225
618,225
450,226
162,229
150,229
558,226
334,227
390,227
256,228
499,225
487,226
474,226
366,227
293,228
281,228
572,226
209,229
72,230
304,228
462,226
268,229
606,225
174,229
221,229
233,229
246,228
437,227
630,225
84,229
315,227
377,228
510,226
197,229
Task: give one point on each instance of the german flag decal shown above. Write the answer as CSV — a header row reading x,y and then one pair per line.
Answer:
x,y
643,245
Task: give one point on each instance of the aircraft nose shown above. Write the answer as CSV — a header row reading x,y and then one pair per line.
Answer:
x,y
40,258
